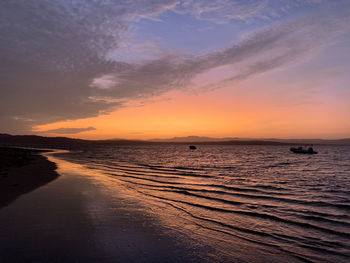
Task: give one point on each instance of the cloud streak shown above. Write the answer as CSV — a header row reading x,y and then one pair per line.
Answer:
x,y
69,130
260,52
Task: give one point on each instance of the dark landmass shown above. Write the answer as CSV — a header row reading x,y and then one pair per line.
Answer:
x,y
70,143
200,139
194,139
56,142
22,171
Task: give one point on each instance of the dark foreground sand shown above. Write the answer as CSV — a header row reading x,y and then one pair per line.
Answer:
x,y
22,171
80,217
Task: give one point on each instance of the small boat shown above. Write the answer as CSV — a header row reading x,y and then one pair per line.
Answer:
x,y
309,150
192,147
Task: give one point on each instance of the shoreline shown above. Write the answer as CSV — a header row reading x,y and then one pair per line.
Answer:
x,y
90,215
22,171
82,218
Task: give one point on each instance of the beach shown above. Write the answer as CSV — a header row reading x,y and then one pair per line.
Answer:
x,y
78,218
21,171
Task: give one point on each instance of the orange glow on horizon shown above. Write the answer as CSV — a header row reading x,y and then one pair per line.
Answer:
x,y
222,113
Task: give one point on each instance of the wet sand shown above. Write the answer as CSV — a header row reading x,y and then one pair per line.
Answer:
x,y
22,171
79,218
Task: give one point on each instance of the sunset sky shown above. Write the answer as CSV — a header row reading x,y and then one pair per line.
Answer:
x,y
101,69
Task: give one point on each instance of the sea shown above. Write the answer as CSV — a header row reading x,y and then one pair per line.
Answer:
x,y
236,203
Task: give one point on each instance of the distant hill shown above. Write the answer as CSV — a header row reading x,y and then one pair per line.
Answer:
x,y
345,141
56,142
192,139
64,142
199,139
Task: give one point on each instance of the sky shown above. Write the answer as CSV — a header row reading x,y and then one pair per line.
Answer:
x,y
102,69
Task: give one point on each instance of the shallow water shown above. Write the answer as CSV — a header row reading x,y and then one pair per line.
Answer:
x,y
79,217
235,203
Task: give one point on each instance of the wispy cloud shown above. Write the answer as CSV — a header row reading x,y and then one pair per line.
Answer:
x,y
222,11
69,130
265,50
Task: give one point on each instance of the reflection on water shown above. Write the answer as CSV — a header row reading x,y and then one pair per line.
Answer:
x,y
254,203
80,217
169,204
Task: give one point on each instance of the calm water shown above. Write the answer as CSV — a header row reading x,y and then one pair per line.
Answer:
x,y
238,203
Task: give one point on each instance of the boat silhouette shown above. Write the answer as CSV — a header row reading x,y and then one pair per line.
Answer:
x,y
300,149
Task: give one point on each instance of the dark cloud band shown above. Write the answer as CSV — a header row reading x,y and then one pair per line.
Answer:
x,y
69,130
